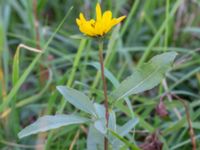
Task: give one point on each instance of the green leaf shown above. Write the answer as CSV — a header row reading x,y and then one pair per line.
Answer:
x,y
78,99
112,120
100,125
46,123
127,127
128,144
100,110
95,140
15,74
122,131
146,77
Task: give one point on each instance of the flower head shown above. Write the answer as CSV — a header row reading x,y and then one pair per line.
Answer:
x,y
101,25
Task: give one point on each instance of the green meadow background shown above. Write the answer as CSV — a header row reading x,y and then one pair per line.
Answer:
x,y
28,79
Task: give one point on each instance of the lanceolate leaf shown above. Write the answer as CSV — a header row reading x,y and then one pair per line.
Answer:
x,y
51,122
128,144
123,131
78,99
126,128
95,140
146,77
100,125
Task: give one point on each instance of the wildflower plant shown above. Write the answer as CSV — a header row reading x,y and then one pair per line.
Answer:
x,y
104,132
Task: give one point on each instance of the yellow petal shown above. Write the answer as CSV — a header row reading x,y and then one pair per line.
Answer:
x,y
118,20
98,12
98,28
87,28
82,18
92,22
107,15
106,19
78,22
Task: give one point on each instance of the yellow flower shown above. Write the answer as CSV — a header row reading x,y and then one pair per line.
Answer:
x,y
101,25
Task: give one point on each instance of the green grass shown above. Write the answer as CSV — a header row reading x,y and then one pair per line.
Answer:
x,y
151,27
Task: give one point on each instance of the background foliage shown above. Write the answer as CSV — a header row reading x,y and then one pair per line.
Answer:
x,y
28,80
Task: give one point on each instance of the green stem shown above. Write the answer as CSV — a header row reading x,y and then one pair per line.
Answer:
x,y
104,90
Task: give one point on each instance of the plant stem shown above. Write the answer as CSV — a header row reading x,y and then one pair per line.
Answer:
x,y
104,89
